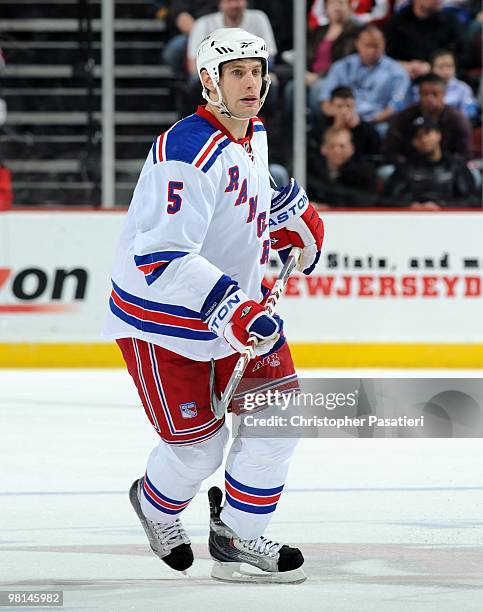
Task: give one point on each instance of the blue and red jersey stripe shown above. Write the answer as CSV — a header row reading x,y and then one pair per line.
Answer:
x,y
158,318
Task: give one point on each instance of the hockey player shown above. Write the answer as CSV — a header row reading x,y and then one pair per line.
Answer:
x,y
187,288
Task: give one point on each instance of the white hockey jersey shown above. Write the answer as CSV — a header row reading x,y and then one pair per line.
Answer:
x,y
200,210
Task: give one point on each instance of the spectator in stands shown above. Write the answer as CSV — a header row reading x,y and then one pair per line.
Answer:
x,y
332,41
335,177
364,136
231,14
418,31
3,104
365,11
455,127
328,43
458,93
325,45
379,84
431,179
183,14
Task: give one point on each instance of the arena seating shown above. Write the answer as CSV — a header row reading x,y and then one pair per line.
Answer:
x,y
52,139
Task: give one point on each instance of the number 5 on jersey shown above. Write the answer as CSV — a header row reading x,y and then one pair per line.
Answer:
x,y
174,198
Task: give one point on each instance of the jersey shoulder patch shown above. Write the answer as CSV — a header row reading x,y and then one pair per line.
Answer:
x,y
193,141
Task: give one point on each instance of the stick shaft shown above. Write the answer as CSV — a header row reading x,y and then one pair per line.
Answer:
x,y
270,304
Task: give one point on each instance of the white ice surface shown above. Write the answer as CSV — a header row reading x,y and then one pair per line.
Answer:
x,y
385,525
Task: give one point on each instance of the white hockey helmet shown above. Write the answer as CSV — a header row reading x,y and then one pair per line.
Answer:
x,y
226,45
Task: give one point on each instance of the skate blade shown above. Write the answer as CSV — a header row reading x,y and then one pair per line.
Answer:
x,y
236,572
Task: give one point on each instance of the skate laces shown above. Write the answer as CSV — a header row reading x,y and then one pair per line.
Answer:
x,y
171,534
262,546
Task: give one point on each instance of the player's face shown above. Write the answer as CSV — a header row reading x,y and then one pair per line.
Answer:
x,y
432,97
241,84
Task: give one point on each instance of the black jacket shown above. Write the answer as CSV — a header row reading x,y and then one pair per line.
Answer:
x,y
455,129
448,182
367,142
355,186
409,37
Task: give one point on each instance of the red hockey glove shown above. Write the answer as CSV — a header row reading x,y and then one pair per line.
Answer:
x,y
236,317
306,232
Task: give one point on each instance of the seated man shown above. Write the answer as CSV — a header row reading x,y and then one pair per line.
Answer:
x,y
431,179
335,177
455,127
458,94
379,84
364,136
418,30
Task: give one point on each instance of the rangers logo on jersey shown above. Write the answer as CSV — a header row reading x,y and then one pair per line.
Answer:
x,y
188,410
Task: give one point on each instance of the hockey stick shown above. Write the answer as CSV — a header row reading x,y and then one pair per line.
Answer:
x,y
219,405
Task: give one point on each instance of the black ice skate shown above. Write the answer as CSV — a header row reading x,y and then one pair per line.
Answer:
x,y
275,563
169,542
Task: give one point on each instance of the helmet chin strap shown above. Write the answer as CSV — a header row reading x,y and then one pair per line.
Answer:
x,y
222,107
